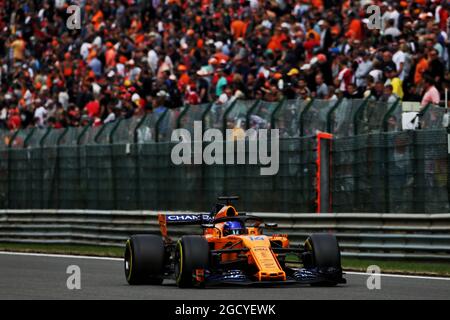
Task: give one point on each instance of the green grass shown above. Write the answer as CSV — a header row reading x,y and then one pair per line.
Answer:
x,y
391,266
82,250
349,264
404,267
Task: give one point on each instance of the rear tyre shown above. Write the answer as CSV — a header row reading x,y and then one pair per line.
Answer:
x,y
144,260
191,254
325,256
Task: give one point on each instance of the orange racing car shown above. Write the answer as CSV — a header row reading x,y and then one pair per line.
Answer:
x,y
232,250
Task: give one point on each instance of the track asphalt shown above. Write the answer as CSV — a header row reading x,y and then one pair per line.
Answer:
x,y
29,276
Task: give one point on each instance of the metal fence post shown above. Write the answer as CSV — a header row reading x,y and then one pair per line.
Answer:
x,y
136,161
58,164
358,112
448,166
275,111
249,113
82,193
113,131
138,126
100,132
333,108
225,115
204,114
28,137
113,176
422,113
41,148
420,175
8,189
182,114
304,111
388,114
158,122
42,140
25,146
83,132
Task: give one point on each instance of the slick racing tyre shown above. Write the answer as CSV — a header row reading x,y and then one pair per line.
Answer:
x,y
144,260
191,254
325,256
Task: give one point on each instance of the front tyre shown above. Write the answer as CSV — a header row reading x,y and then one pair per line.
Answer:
x,y
324,256
144,260
191,254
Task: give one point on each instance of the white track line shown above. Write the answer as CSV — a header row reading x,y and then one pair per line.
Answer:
x,y
58,256
120,259
388,275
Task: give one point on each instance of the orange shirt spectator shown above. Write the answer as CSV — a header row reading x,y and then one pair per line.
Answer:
x,y
67,68
317,4
421,67
219,56
275,42
183,81
110,57
355,31
238,29
97,20
67,65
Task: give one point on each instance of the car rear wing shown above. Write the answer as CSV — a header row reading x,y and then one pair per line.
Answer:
x,y
181,219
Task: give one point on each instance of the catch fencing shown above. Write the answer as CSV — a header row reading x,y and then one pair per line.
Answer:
x,y
126,165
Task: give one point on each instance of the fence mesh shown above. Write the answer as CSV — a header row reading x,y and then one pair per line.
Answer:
x,y
142,176
261,116
377,116
341,118
316,117
167,122
401,172
193,113
432,117
119,166
287,118
124,131
5,138
385,172
237,116
214,118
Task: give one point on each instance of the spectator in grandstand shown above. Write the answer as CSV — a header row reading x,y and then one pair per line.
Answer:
x,y
128,52
393,80
321,91
365,65
388,94
431,94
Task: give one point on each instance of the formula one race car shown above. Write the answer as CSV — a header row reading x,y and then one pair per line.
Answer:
x,y
232,250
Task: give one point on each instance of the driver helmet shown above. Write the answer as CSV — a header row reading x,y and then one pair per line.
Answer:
x,y
233,227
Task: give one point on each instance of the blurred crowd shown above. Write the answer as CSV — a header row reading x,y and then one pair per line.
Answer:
x,y
135,56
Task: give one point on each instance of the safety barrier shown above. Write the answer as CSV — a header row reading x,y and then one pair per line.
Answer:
x,y
385,236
